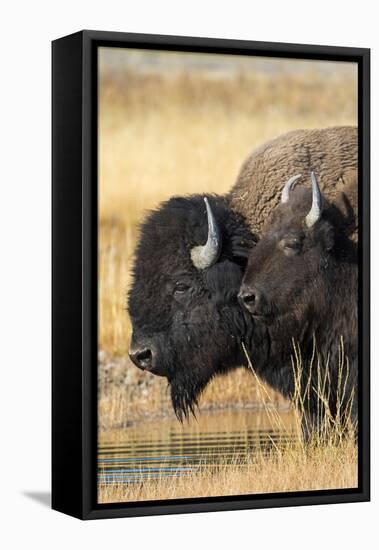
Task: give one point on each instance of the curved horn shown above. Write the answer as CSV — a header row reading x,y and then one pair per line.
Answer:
x,y
206,255
315,212
289,186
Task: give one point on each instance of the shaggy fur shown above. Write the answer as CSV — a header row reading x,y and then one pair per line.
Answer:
x,y
194,333
305,287
331,152
191,319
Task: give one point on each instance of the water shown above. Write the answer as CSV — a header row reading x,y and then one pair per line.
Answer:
x,y
165,448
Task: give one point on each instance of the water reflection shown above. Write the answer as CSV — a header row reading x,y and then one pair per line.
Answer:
x,y
165,448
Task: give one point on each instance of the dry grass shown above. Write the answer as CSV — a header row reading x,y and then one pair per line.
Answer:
x,y
186,133
179,133
292,469
328,461
126,395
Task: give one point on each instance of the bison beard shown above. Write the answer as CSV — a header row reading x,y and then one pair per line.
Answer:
x,y
186,315
207,354
206,342
189,376
185,390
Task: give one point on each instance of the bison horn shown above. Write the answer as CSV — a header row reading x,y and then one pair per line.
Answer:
x,y
315,212
289,186
206,255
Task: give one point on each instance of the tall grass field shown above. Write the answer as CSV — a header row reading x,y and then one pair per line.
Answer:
x,y
172,127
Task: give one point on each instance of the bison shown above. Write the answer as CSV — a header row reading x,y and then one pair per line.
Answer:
x,y
301,282
188,324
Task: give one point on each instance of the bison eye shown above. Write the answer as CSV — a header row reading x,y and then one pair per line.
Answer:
x,y
290,246
181,288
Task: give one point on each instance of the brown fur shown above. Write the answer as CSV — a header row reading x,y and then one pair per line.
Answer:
x,y
187,323
330,152
302,283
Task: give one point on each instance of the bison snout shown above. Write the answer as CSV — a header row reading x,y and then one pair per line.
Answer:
x,y
142,357
251,299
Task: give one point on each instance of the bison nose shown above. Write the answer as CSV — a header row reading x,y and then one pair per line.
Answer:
x,y
250,298
142,357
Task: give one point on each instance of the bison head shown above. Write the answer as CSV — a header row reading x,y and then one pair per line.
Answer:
x,y
187,321
285,268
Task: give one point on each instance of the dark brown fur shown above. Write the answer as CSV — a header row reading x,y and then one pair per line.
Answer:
x,y
189,322
302,285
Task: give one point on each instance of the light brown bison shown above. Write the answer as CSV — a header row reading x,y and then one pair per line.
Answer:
x,y
331,152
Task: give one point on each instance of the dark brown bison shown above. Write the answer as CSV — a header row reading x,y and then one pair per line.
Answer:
x,y
188,324
301,282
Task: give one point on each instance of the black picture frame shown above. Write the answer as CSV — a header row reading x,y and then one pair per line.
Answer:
x,y
74,273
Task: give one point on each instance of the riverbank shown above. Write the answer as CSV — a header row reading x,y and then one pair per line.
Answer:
x,y
294,468
128,395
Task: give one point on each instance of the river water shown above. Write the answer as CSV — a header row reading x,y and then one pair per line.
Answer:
x,y
165,448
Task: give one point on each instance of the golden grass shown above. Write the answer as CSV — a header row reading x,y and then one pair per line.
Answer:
x,y
293,468
183,133
167,135
329,460
179,133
